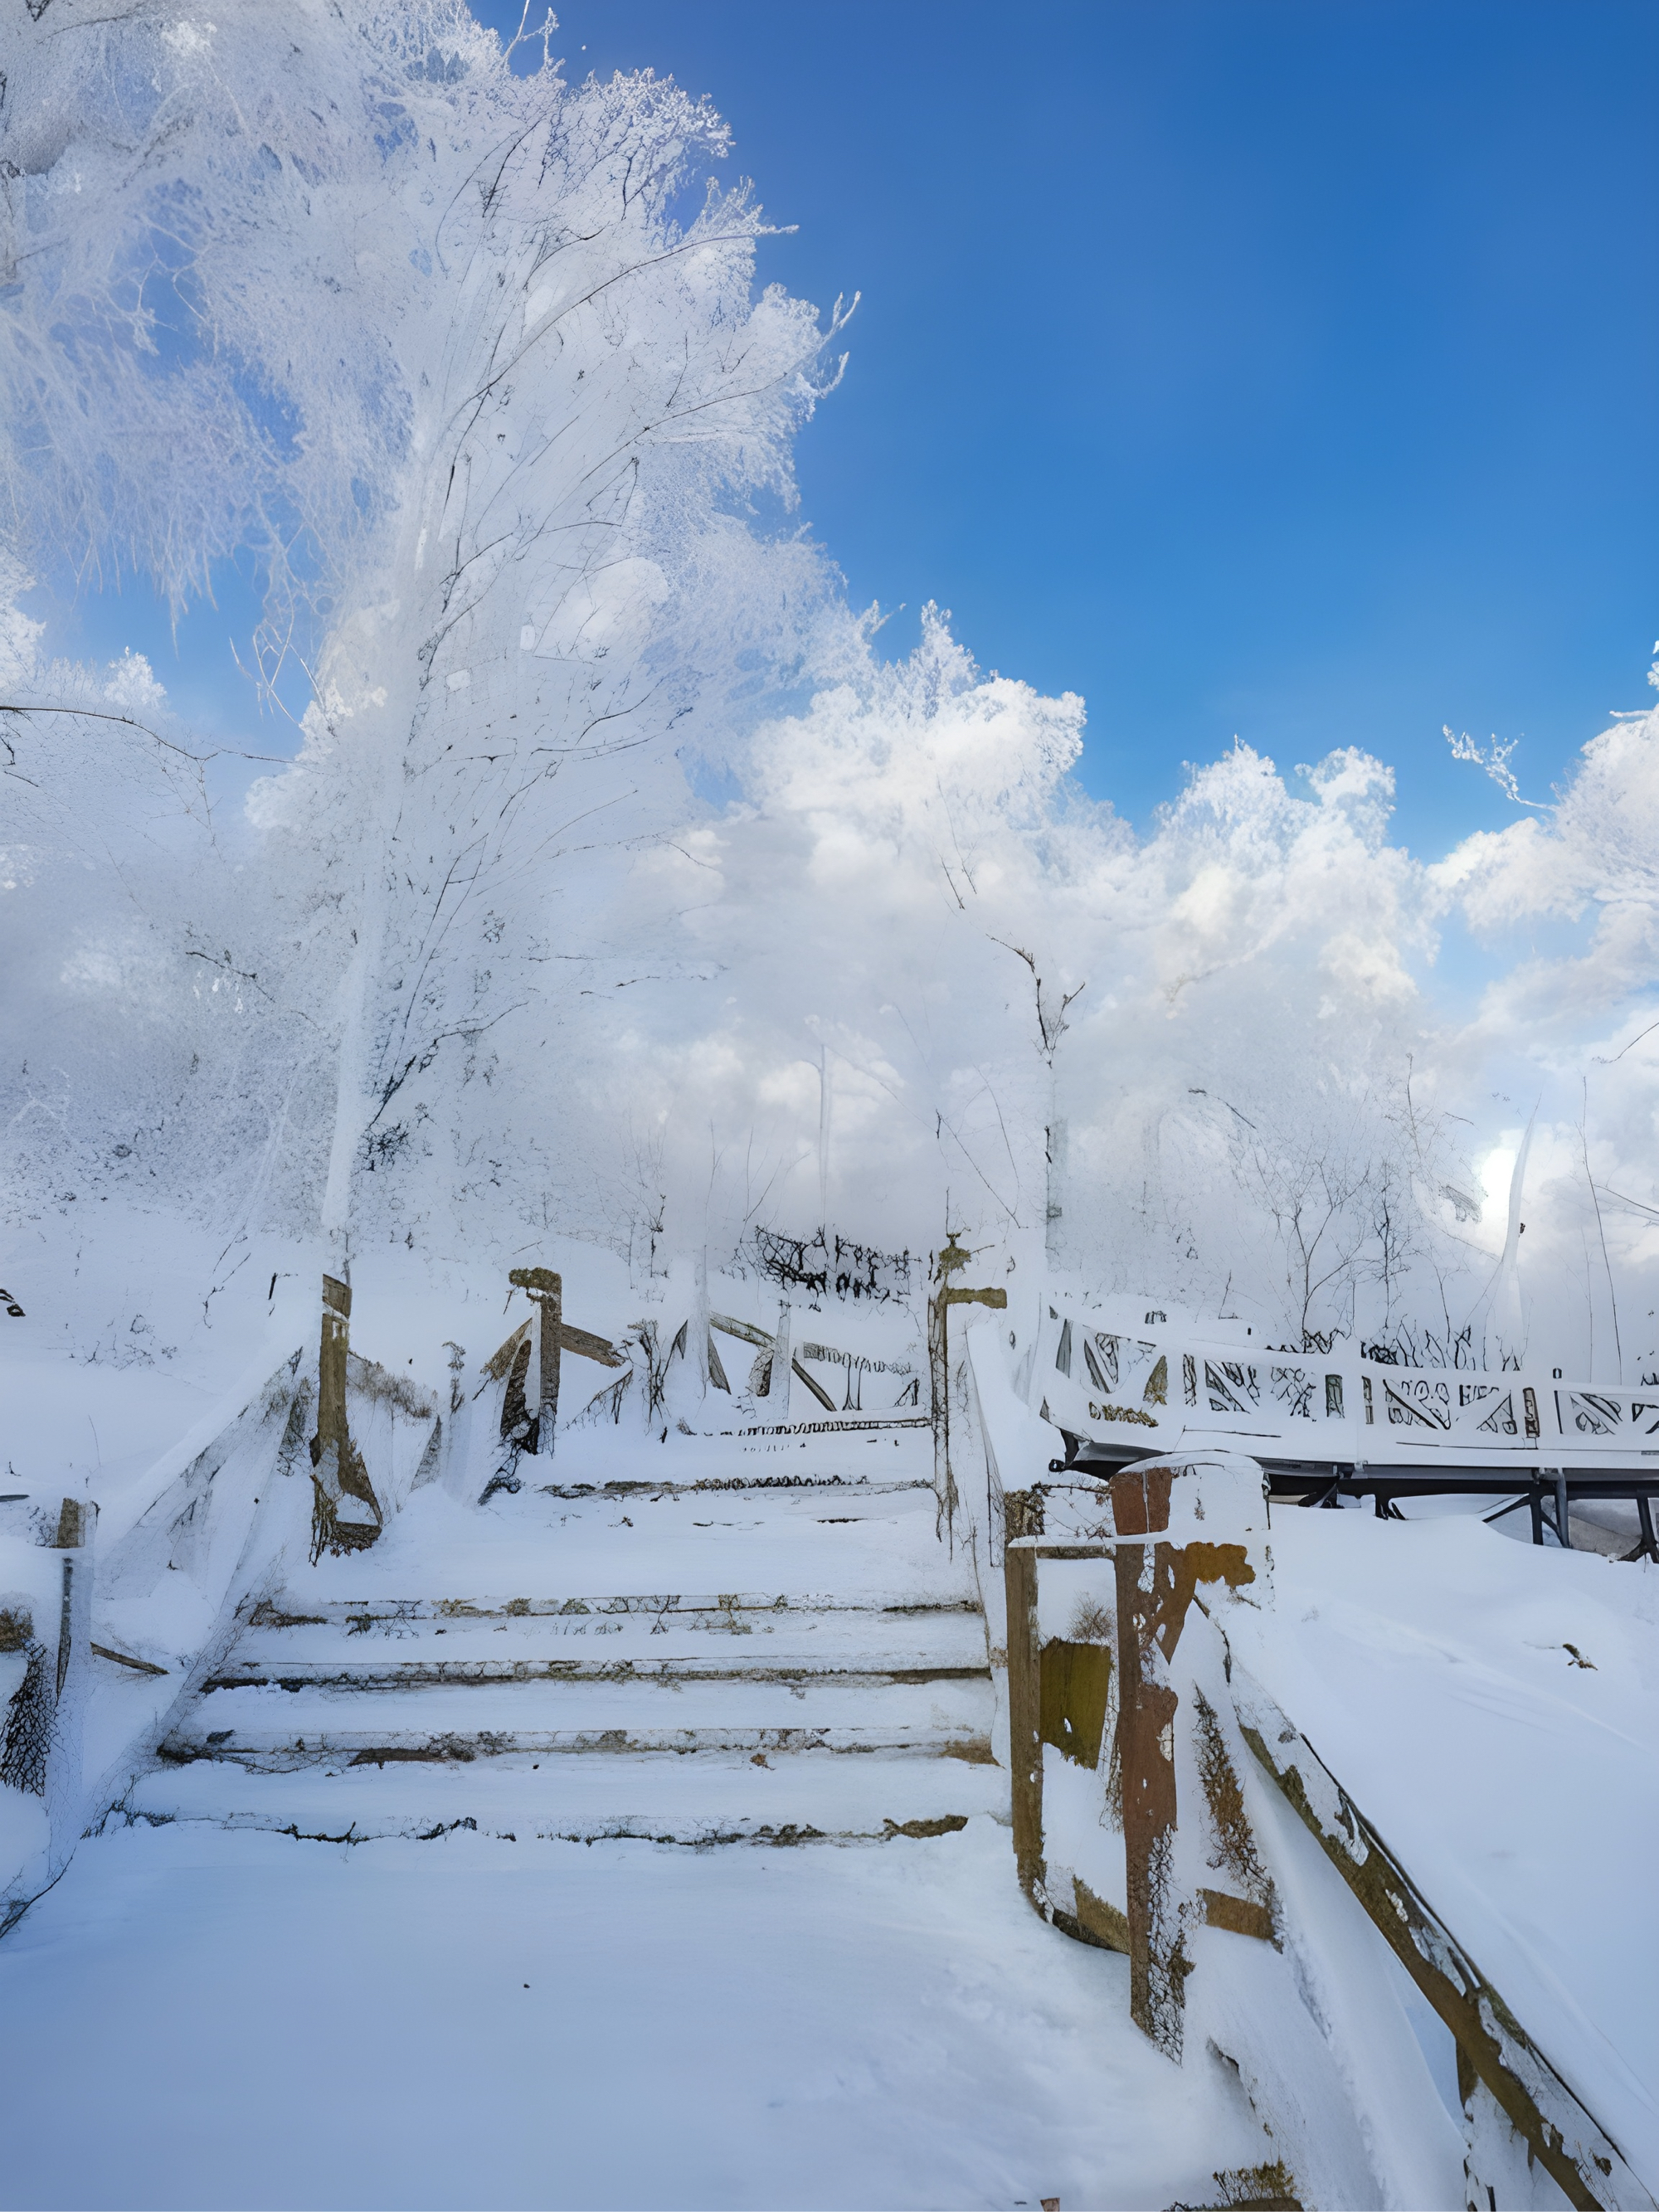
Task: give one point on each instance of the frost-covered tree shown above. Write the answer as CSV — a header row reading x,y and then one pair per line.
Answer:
x,y
620,887
446,348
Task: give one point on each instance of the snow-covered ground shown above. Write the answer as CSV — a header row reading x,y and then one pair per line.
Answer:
x,y
223,2019
823,1989
703,1737
625,913
1494,1710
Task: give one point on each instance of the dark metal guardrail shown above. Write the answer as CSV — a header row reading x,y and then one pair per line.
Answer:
x,y
1547,1493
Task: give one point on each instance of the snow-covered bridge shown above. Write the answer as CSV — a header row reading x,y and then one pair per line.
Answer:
x,y
1335,1424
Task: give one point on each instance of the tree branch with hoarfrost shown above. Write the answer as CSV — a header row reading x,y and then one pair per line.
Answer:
x,y
497,463
605,804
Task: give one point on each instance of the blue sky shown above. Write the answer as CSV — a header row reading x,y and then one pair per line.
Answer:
x,y
1279,370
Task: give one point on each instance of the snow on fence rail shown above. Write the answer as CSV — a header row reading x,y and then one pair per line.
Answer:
x,y
109,1622
1147,1392
1152,1779
147,1600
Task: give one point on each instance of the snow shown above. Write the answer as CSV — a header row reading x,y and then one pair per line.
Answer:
x,y
274,2023
682,1540
870,2017
730,1701
714,1796
623,912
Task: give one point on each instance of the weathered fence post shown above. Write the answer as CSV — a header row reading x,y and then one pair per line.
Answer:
x,y
63,1779
545,1291
549,1337
1163,1529
555,1337
332,1352
345,1513
1157,1580
1147,1711
939,1368
41,1719
778,1388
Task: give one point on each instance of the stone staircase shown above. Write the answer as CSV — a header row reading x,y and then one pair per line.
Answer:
x,y
547,1665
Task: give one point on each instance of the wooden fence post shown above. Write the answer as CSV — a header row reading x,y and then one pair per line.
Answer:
x,y
778,1384
555,1337
545,1291
938,1368
1156,1581
345,1513
1147,1711
1022,1517
549,1337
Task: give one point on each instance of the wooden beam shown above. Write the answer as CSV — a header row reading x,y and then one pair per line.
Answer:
x,y
817,1388
745,1331
586,1345
1075,1687
716,1371
121,1659
1241,1915
499,1365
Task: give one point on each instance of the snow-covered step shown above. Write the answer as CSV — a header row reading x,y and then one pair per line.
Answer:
x,y
294,1610
783,1485
389,1746
666,1673
725,1795
771,1652
406,1649
955,1705
522,1552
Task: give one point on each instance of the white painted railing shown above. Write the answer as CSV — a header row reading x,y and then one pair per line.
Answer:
x,y
1150,1390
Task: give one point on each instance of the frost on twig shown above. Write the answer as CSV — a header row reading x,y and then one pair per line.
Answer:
x,y
1494,758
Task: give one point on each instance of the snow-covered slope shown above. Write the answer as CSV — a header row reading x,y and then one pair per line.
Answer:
x,y
1491,1709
